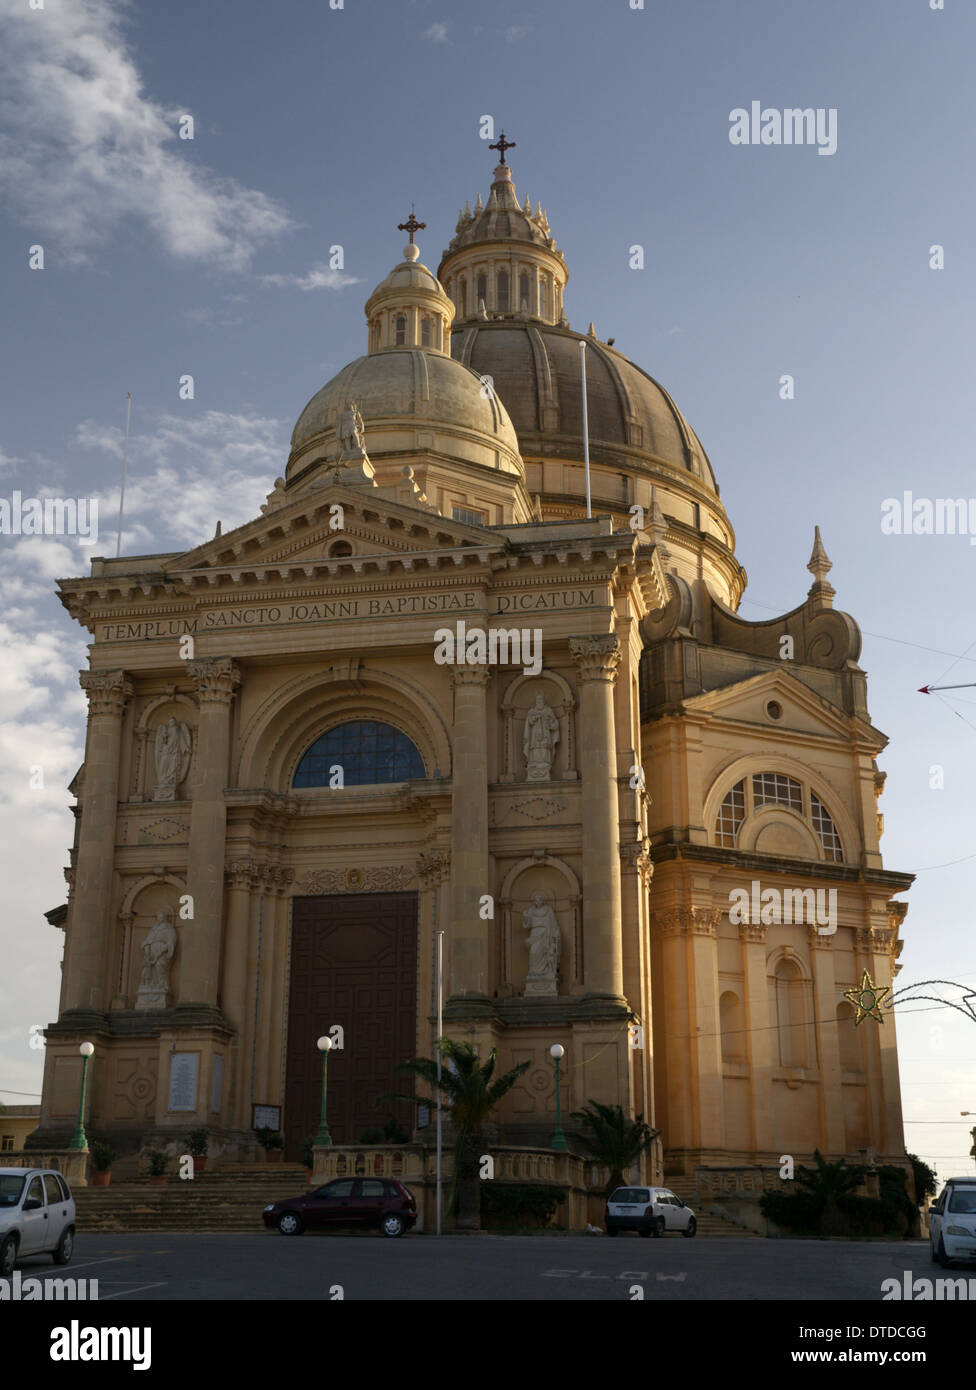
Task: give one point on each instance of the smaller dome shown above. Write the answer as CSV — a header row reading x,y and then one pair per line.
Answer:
x,y
410,308
502,219
410,274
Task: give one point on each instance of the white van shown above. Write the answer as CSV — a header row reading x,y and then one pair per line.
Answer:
x,y
952,1222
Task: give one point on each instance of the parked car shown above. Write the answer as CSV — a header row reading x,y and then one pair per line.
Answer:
x,y
650,1211
952,1222
37,1216
381,1202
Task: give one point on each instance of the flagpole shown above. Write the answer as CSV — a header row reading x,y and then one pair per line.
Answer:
x,y
125,466
586,431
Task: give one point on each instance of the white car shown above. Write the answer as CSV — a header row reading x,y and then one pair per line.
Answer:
x,y
37,1216
952,1222
650,1211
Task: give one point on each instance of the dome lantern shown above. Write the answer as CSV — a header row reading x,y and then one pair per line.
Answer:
x,y
410,308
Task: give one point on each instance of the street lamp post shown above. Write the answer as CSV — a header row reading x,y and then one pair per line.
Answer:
x,y
556,1052
324,1045
80,1138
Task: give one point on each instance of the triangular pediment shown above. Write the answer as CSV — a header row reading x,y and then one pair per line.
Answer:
x,y
306,530
801,710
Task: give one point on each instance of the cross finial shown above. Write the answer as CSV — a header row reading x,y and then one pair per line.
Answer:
x,y
411,225
501,145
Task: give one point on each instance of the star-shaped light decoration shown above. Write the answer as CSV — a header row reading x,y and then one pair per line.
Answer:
x,y
866,999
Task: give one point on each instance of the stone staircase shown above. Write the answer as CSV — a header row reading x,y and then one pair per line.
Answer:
x,y
230,1199
710,1223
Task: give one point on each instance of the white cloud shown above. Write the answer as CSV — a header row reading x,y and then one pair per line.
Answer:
x,y
437,33
320,277
85,149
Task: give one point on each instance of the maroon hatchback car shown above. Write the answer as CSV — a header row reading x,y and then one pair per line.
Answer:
x,y
381,1202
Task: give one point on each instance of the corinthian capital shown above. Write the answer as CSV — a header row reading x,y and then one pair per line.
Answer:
x,y
596,657
215,677
471,675
107,691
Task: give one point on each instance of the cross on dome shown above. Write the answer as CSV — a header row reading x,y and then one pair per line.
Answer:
x,y
411,225
501,145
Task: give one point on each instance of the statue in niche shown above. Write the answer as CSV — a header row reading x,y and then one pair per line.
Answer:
x,y
157,954
539,738
173,748
544,943
350,431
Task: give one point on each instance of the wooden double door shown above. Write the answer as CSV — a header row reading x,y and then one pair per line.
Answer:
x,y
353,963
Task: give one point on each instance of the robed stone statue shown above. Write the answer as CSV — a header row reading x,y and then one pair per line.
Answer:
x,y
350,430
173,748
157,954
544,943
539,738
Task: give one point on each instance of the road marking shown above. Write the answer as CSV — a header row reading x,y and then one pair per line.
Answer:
x,y
137,1289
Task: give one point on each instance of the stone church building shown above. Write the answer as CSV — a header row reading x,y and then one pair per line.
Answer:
x,y
422,691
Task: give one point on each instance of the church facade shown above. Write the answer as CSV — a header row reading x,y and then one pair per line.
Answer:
x,y
423,691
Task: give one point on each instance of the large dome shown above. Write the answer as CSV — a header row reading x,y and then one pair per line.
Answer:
x,y
535,368
429,389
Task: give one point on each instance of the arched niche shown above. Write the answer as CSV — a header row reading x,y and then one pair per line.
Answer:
x,y
560,889
293,717
155,712
142,901
517,700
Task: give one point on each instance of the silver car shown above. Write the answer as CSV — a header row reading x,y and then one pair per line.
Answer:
x,y
37,1216
650,1211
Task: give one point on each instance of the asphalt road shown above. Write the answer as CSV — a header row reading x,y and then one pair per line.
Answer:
x,y
160,1267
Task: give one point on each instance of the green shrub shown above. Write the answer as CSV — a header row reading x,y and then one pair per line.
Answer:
x,y
102,1156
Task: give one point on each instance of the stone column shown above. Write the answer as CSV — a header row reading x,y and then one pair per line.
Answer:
x,y
216,679
92,908
833,1139
233,972
597,658
470,872
759,1037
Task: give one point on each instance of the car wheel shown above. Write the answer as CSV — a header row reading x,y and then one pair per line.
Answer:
x,y
290,1224
659,1227
691,1228
392,1225
940,1255
8,1256
62,1253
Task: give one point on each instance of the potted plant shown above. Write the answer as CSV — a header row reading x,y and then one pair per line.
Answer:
x,y
196,1142
308,1155
157,1168
102,1158
272,1144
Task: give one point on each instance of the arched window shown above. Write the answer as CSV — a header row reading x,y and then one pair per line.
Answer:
x,y
731,814
790,1015
483,288
770,788
425,332
543,297
368,752
401,330
524,290
823,824
730,1022
501,285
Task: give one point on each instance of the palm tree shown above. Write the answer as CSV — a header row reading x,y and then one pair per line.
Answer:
x,y
611,1139
469,1095
826,1184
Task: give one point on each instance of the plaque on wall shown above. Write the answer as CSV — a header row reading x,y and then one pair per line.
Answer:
x,y
183,1069
217,1085
266,1117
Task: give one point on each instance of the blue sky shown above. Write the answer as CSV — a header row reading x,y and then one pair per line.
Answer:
x,y
315,127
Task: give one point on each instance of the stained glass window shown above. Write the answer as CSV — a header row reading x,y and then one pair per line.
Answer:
x,y
367,751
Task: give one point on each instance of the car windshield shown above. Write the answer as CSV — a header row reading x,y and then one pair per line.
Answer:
x,y
631,1194
963,1200
11,1186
